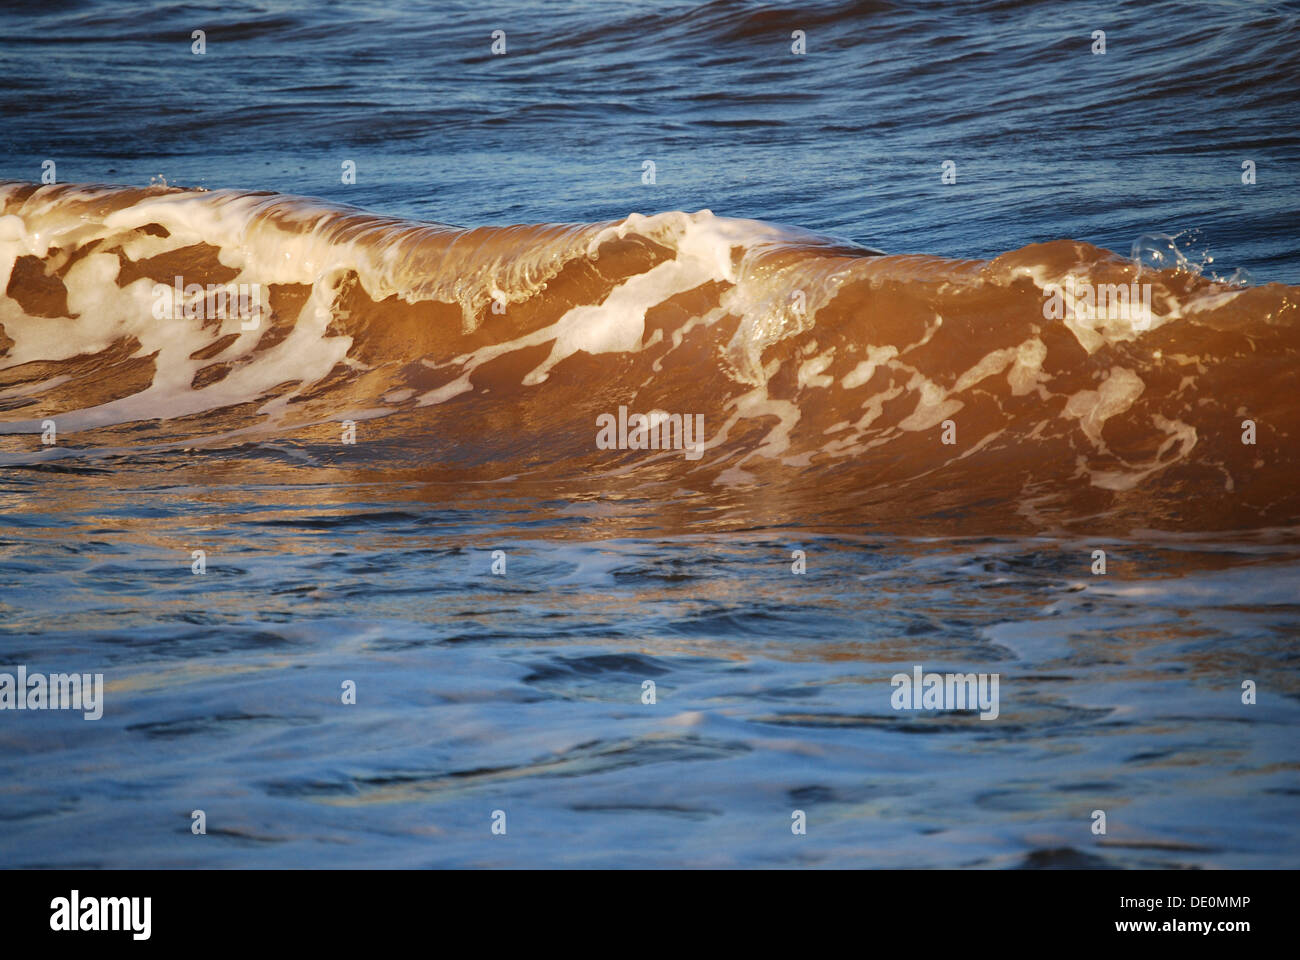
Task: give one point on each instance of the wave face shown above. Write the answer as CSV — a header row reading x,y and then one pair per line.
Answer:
x,y
833,384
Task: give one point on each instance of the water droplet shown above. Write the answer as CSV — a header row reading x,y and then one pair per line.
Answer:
x,y
1158,252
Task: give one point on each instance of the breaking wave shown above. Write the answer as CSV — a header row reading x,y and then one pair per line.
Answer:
x,y
1056,385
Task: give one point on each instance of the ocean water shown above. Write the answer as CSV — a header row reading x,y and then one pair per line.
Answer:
x,y
389,446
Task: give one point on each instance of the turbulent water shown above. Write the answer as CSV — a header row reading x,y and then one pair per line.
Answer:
x,y
811,418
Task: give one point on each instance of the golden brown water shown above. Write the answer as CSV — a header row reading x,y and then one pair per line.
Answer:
x,y
835,385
